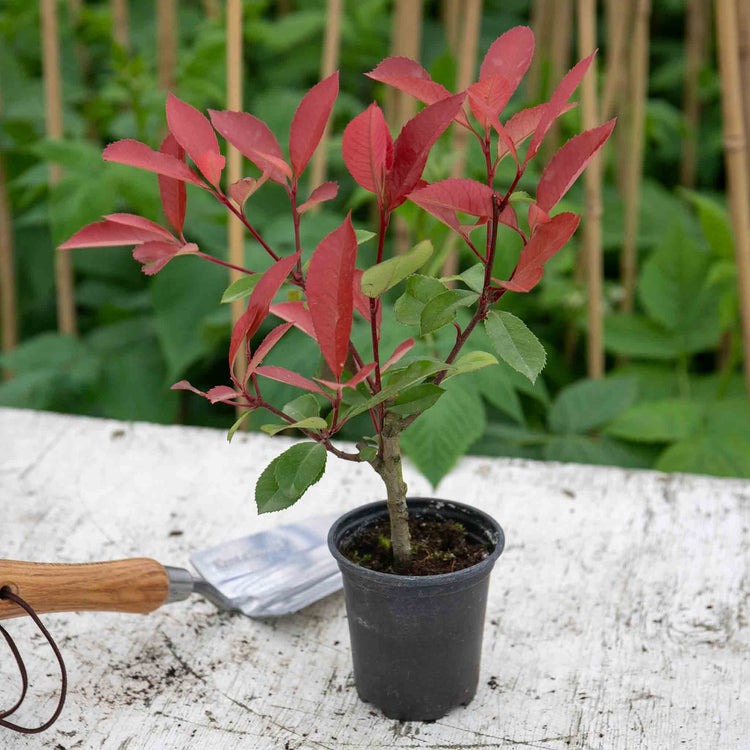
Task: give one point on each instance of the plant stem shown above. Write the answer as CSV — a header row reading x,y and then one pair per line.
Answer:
x,y
205,256
388,465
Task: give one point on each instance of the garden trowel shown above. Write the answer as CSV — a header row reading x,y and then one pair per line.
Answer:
x,y
271,573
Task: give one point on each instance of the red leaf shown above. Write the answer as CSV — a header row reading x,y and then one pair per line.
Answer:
x,y
132,220
352,383
362,302
523,281
523,124
184,385
241,190
310,120
568,163
253,139
509,56
554,108
548,239
173,192
452,195
194,133
267,344
155,255
282,375
325,192
111,234
259,303
509,219
488,97
221,394
137,154
367,148
398,352
536,217
412,147
296,313
330,296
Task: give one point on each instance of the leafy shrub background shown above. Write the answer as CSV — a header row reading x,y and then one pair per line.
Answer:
x,y
673,398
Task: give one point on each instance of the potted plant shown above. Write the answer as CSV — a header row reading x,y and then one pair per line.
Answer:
x,y
415,619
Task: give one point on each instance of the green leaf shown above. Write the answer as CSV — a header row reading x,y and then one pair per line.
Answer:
x,y
288,476
419,291
302,407
363,235
310,423
589,404
441,310
384,276
637,336
714,221
674,291
416,399
472,277
720,456
238,423
582,449
367,452
658,421
241,288
515,343
444,432
497,388
471,362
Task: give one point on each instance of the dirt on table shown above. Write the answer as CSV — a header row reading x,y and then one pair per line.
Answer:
x,y
438,546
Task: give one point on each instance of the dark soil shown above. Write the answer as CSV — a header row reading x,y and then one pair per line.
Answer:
x,y
438,546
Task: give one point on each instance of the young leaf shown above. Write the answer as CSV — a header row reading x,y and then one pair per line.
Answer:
x,y
295,312
267,344
412,147
155,255
363,236
132,220
367,148
308,423
220,394
282,375
567,164
419,291
380,278
241,288
241,190
253,139
402,349
554,108
443,199
488,97
113,234
441,310
310,120
194,133
409,76
325,192
137,154
509,56
330,295
260,303
238,423
522,125
288,476
515,343
173,192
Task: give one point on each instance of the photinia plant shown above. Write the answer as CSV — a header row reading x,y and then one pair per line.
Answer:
x,y
327,291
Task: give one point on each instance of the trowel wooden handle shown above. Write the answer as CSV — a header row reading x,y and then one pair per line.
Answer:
x,y
136,585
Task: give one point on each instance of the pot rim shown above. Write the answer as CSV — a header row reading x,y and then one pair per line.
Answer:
x,y
491,526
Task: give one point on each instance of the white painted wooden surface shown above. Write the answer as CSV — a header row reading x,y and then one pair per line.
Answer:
x,y
618,616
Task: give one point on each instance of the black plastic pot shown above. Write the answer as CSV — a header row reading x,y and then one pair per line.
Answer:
x,y
417,640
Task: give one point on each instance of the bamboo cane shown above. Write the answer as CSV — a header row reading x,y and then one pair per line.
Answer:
x,y
695,42
618,16
121,23
450,12
329,63
592,232
562,15
166,23
211,8
541,24
234,157
735,155
66,312
633,167
467,61
743,12
8,315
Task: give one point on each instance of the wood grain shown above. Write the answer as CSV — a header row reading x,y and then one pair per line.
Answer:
x,y
618,616
137,585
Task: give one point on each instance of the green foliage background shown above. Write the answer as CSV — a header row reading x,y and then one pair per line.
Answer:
x,y
673,398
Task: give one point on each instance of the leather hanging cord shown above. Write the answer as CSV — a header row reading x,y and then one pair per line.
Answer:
x,y
6,593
